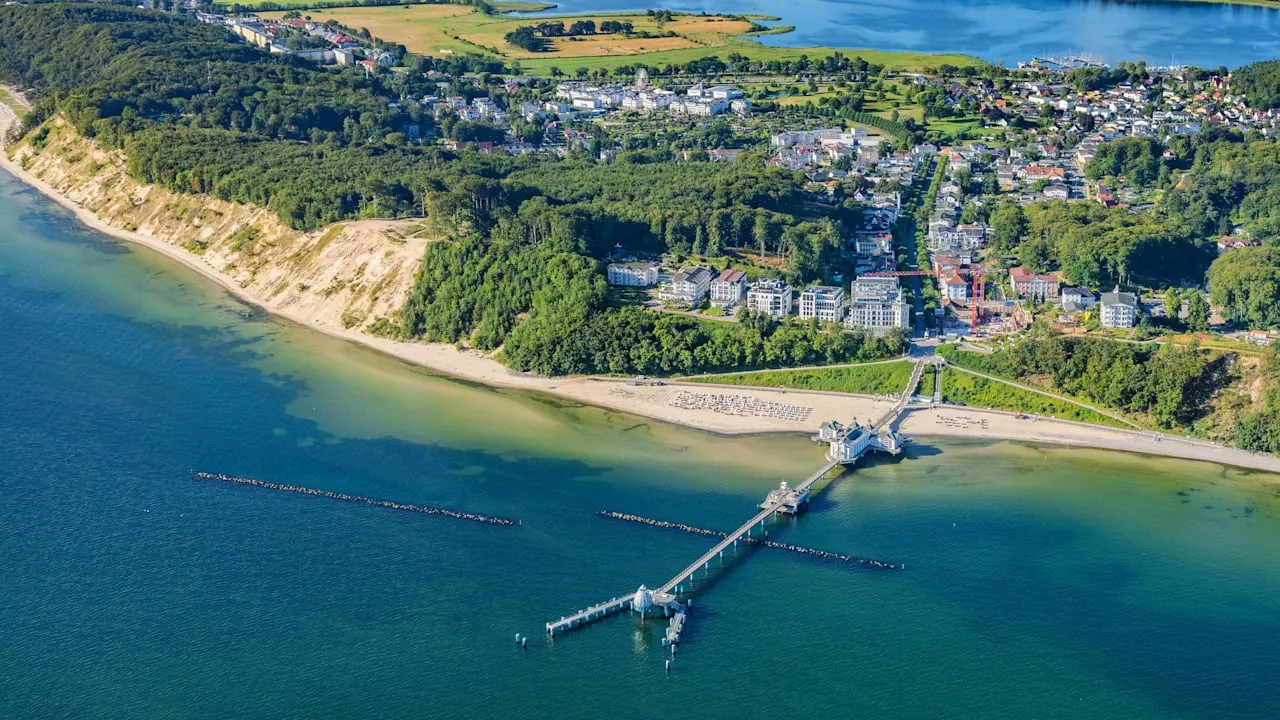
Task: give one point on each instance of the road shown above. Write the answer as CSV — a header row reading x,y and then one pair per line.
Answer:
x,y
913,263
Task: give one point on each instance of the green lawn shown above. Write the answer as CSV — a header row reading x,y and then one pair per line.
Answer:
x,y
753,50
878,379
961,387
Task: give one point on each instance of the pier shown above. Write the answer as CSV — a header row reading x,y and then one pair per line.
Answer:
x,y
846,445
586,615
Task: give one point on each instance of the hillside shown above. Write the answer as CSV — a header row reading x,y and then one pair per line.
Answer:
x,y
344,275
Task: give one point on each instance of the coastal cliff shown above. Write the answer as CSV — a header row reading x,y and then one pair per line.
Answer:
x,y
348,275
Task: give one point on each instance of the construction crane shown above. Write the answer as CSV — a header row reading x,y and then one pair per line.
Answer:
x,y
977,275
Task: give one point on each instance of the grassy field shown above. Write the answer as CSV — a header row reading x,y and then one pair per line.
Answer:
x,y
445,29
431,29
878,379
884,106
500,6
960,387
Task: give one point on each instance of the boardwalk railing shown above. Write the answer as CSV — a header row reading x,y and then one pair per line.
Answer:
x,y
589,614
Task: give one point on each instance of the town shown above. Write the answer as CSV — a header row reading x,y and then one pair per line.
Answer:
x,y
1035,131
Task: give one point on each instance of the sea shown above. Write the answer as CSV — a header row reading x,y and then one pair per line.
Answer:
x,y
1040,581
1160,32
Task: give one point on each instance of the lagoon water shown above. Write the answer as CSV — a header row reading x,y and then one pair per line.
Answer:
x,y
1009,31
1040,582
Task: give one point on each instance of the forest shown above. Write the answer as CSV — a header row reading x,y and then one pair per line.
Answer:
x,y
519,267
1259,83
1098,247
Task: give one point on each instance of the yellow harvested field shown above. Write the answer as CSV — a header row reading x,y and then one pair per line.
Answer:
x,y
439,30
424,29
591,46
693,24
444,29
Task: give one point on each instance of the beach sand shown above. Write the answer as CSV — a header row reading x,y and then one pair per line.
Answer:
x,y
806,410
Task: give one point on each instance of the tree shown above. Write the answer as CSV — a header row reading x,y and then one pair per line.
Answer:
x,y
526,38
1008,225
1259,83
1173,303
1197,312
1245,284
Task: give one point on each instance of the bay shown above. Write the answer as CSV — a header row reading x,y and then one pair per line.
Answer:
x,y
1041,582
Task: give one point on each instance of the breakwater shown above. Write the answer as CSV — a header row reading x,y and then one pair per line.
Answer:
x,y
474,517
812,552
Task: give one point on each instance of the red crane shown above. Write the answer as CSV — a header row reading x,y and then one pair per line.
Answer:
x,y
977,275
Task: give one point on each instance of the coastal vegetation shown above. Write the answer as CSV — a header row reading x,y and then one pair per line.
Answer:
x,y
1169,384
881,378
962,388
1245,283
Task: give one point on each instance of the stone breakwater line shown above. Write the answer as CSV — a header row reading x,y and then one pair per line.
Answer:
x,y
474,517
824,554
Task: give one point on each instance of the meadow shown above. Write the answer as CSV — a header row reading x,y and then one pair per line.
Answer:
x,y
870,379
445,29
962,388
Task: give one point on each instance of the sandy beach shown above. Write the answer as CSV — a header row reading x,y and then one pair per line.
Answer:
x,y
728,409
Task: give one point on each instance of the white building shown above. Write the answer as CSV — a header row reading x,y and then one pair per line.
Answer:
x,y
725,92
822,302
771,297
957,289
729,289
873,287
1119,309
701,106
876,303
1081,297
687,286
657,99
632,274
867,245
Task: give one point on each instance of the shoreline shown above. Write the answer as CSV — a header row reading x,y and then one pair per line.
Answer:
x,y
727,410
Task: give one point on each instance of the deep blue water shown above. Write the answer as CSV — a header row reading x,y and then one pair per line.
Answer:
x,y
1009,31
1046,583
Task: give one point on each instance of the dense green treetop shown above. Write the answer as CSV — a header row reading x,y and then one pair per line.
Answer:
x,y
1259,83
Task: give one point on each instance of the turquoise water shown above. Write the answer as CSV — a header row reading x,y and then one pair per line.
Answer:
x,y
1009,31
1041,582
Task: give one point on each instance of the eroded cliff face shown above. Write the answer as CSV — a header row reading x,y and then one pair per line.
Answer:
x,y
346,275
